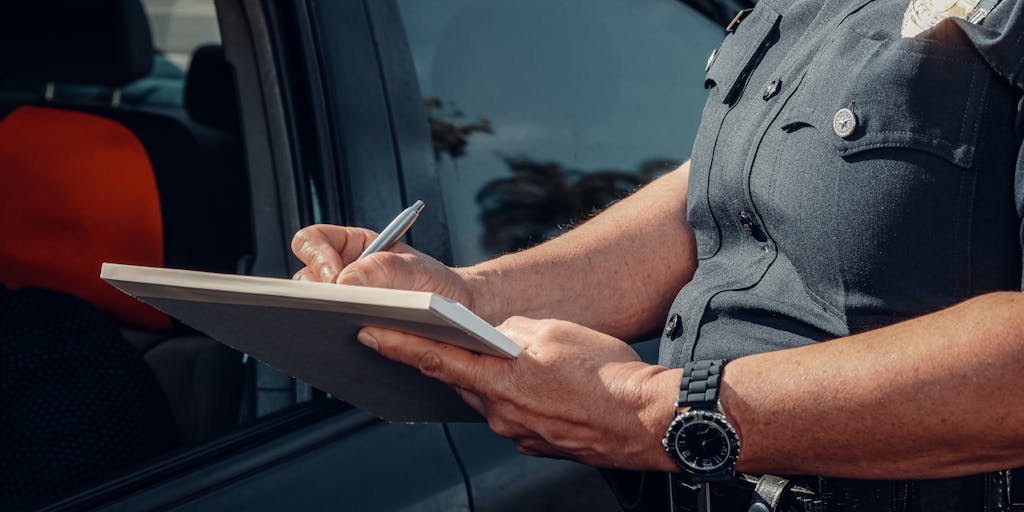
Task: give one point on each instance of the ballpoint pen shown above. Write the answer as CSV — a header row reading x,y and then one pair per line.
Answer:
x,y
394,231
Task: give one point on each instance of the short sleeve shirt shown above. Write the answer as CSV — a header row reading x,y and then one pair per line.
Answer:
x,y
845,177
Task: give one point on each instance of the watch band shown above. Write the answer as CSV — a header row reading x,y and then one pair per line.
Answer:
x,y
698,388
700,439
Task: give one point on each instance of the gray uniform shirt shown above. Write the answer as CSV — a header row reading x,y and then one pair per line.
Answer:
x,y
813,224
810,227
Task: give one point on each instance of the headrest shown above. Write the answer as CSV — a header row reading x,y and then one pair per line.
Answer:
x,y
210,96
78,191
95,42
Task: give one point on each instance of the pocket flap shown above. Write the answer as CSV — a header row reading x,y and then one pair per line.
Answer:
x,y
902,96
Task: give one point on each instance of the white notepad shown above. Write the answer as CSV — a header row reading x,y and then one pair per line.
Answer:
x,y
308,330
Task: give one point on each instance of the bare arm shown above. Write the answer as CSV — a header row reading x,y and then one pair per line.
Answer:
x,y
938,396
617,273
933,397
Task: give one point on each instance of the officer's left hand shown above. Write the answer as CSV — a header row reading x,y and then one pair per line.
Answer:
x,y
573,392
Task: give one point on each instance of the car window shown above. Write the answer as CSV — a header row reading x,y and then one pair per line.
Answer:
x,y
177,27
180,26
185,389
542,112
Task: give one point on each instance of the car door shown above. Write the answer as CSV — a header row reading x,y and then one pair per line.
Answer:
x,y
310,108
342,125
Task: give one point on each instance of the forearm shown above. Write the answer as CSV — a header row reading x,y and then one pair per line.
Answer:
x,y
933,397
616,273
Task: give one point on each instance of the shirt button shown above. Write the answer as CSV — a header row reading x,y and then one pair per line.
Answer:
x,y
711,60
844,123
672,326
771,89
752,228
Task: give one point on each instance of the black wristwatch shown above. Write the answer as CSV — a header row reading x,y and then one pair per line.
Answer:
x,y
701,440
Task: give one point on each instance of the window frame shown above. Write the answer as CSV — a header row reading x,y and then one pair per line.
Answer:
x,y
294,134
301,130
279,209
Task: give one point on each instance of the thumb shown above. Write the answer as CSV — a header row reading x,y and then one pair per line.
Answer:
x,y
352,276
382,270
447,363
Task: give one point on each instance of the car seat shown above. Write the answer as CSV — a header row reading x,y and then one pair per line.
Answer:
x,y
203,379
81,184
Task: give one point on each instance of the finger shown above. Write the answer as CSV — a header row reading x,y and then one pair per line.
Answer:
x,y
472,400
506,425
521,329
373,270
328,249
350,242
447,363
531,447
352,275
384,270
526,451
320,252
536,447
305,275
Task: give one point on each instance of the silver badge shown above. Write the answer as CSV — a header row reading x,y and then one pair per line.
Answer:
x,y
924,14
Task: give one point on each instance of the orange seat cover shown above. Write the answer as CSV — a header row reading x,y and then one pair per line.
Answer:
x,y
76,190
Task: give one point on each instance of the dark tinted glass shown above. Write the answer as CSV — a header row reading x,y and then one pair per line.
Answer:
x,y
542,112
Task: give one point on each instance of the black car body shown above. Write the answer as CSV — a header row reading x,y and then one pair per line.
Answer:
x,y
511,120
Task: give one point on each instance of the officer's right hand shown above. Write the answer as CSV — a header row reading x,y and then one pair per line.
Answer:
x,y
330,253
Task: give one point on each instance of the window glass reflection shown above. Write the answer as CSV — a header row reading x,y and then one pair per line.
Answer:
x,y
542,112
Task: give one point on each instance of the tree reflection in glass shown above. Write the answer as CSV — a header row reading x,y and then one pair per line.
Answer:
x,y
540,199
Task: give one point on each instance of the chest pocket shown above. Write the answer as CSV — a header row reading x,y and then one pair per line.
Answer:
x,y
879,150
864,94
729,69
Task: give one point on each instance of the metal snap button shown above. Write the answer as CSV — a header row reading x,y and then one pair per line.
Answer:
x,y
711,60
752,228
771,89
672,326
844,123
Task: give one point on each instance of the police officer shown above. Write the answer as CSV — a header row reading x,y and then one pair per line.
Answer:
x,y
856,178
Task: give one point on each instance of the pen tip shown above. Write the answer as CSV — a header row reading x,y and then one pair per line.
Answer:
x,y
418,205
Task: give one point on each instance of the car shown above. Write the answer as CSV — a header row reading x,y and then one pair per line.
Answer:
x,y
511,120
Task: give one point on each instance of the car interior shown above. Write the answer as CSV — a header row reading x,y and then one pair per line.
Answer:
x,y
96,164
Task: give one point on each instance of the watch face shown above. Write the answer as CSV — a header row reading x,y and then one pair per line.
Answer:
x,y
703,443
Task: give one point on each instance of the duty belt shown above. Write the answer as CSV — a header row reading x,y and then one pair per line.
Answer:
x,y
991,492
749,493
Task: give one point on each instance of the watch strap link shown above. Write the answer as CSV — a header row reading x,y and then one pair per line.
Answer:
x,y
698,388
